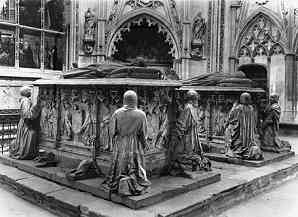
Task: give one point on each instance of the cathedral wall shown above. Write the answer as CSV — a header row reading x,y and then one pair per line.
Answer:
x,y
206,36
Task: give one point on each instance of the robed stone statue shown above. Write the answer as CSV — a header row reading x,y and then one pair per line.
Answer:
x,y
128,131
186,150
270,127
243,141
25,146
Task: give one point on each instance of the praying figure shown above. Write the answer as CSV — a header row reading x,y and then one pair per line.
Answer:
x,y
187,149
270,127
128,130
25,146
242,131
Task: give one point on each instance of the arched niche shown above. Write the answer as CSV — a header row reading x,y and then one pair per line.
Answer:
x,y
134,20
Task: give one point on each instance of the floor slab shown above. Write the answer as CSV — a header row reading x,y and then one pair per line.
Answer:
x,y
161,189
268,159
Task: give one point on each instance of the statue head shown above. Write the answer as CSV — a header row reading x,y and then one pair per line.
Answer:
x,y
245,98
130,99
273,98
25,91
192,96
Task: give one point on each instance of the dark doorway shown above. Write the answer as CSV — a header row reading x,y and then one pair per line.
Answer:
x,y
146,41
257,73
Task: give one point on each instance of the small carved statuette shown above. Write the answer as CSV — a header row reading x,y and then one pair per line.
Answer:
x,y
89,32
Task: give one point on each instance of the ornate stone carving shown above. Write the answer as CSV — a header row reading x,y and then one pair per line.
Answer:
x,y
176,18
114,11
78,121
109,101
262,2
198,36
66,114
48,119
262,38
135,4
89,32
138,21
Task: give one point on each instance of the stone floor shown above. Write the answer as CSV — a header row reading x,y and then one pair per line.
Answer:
x,y
14,206
238,184
280,201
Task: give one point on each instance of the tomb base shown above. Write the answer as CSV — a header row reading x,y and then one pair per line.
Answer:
x,y
162,188
269,158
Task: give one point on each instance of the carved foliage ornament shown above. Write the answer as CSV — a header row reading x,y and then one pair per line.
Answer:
x,y
262,39
135,4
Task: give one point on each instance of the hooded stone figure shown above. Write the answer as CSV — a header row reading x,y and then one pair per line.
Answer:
x,y
270,127
242,131
186,150
128,130
25,145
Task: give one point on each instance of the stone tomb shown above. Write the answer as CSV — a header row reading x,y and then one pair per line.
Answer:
x,y
75,110
215,104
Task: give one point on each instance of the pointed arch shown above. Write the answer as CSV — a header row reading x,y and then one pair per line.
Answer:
x,y
270,17
124,24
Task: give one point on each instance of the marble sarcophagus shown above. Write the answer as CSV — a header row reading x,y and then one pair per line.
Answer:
x,y
75,116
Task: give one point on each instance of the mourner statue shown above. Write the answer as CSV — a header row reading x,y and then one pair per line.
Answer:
x,y
127,175
25,145
270,127
243,141
186,148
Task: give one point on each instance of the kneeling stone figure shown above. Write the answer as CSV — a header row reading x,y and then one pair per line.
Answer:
x,y
241,132
127,175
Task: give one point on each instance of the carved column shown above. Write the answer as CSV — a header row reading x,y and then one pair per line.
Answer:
x,y
233,24
291,89
102,8
186,28
73,39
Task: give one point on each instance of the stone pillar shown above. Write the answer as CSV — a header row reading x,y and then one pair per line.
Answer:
x,y
235,5
73,39
217,34
277,81
186,41
102,8
291,86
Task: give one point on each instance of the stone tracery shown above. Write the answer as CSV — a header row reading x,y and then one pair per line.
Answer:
x,y
262,38
126,27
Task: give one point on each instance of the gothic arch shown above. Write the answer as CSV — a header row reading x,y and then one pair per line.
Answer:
x,y
151,16
273,34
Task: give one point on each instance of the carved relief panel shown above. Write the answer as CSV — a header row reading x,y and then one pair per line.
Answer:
x,y
78,115
49,114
